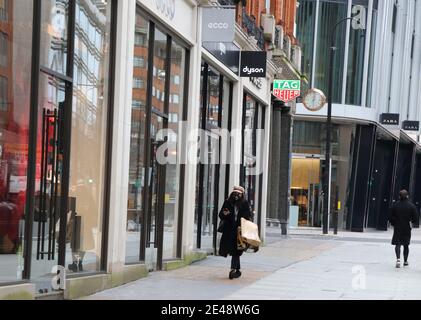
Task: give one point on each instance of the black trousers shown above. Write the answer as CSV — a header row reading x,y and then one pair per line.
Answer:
x,y
405,252
235,262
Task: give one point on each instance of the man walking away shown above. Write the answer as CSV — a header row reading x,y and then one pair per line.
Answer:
x,y
402,214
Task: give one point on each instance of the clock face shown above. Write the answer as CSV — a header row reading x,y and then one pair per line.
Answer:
x,y
314,100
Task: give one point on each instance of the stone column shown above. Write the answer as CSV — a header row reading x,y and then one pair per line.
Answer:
x,y
280,167
285,169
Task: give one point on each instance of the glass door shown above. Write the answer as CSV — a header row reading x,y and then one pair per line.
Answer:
x,y
156,199
306,190
51,217
48,188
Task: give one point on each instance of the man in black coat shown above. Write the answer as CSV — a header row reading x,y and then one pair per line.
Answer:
x,y
402,214
234,208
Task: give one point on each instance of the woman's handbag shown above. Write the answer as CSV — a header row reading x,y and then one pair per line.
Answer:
x,y
250,233
221,226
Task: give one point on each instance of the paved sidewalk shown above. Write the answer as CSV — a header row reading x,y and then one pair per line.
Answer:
x,y
304,265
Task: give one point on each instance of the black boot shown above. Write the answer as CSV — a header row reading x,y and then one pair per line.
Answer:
x,y
232,274
238,273
80,266
73,266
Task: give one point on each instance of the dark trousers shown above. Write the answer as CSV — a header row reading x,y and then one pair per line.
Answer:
x,y
405,252
235,262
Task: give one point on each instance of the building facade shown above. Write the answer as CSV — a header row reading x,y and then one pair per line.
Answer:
x,y
103,178
376,73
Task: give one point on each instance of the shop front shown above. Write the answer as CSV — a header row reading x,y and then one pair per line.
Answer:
x,y
233,143
55,93
159,98
307,172
212,171
252,173
384,162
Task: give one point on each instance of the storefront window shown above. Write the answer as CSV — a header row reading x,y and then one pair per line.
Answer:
x,y
308,167
249,178
90,100
178,62
135,211
159,72
207,177
157,110
16,30
54,26
216,93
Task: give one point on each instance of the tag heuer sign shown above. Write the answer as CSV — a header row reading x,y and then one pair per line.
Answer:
x,y
389,119
287,90
411,125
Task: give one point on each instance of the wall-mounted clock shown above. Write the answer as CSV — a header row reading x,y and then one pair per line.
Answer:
x,y
314,100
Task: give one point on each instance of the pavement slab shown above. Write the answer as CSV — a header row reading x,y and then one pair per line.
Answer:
x,y
304,265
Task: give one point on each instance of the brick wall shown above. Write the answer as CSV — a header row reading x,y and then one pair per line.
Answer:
x,y
285,13
255,8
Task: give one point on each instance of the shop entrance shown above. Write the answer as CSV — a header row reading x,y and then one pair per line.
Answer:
x,y
306,191
51,199
153,226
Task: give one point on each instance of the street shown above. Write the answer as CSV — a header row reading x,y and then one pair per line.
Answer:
x,y
304,265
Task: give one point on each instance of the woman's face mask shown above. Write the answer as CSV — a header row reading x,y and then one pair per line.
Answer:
x,y
236,196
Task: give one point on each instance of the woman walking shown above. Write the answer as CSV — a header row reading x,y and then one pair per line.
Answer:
x,y
403,213
234,208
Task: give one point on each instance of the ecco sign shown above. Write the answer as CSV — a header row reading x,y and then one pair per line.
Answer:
x,y
218,25
253,64
166,7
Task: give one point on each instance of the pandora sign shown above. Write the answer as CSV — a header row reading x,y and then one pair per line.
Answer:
x,y
166,7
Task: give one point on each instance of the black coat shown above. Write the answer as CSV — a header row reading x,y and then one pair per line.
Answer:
x,y
228,244
402,213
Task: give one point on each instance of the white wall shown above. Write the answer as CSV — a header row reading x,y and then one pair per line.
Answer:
x,y
121,135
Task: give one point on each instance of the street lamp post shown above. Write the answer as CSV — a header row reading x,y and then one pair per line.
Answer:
x,y
326,188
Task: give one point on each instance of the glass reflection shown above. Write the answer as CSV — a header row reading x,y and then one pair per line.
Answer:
x,y
329,14
54,28
159,71
178,62
88,134
356,55
135,201
15,87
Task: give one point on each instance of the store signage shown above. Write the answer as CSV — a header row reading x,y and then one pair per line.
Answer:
x,y
227,53
166,7
218,25
389,119
411,125
253,64
287,90
258,82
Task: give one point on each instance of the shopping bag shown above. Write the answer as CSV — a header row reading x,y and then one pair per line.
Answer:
x,y
241,245
250,233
